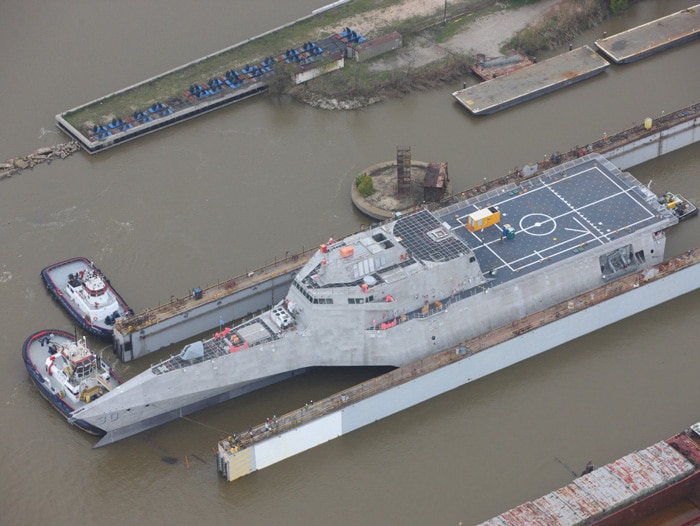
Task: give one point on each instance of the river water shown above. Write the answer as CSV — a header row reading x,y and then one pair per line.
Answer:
x,y
209,199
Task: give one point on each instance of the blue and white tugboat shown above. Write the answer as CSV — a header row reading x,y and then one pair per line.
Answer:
x,y
86,294
68,374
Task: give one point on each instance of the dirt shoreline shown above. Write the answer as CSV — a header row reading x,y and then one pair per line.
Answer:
x,y
475,37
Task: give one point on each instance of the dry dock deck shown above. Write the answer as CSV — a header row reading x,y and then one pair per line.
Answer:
x,y
653,37
341,413
532,81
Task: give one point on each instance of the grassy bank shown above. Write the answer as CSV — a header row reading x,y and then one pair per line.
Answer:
x,y
356,81
567,21
169,87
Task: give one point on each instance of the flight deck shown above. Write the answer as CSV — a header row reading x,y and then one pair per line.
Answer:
x,y
569,209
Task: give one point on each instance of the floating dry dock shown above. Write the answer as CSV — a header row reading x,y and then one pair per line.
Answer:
x,y
532,81
663,478
183,318
307,427
653,37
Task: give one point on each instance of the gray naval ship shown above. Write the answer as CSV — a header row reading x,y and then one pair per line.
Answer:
x,y
414,286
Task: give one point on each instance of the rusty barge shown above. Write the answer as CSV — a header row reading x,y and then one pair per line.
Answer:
x,y
660,481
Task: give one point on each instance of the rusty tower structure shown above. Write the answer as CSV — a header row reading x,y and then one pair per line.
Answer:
x,y
403,169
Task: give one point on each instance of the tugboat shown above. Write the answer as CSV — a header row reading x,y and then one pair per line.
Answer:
x,y
86,294
68,374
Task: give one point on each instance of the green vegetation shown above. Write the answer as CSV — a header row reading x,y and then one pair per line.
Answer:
x,y
446,31
170,87
355,80
618,6
358,81
568,21
281,82
364,185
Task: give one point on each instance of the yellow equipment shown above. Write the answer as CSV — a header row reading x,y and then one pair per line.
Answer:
x,y
482,218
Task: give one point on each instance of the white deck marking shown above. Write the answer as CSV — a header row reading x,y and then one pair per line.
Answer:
x,y
589,231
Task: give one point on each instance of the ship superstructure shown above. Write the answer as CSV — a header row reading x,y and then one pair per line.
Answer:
x,y
414,286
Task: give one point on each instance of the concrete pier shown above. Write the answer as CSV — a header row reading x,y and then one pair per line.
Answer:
x,y
531,82
322,421
653,37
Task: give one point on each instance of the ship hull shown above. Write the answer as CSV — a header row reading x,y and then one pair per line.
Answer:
x,y
151,399
418,285
119,433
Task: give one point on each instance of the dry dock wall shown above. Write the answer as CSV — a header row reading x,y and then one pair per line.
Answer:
x,y
202,316
348,418
659,143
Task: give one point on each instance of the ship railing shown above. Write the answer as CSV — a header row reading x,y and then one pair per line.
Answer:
x,y
604,145
214,292
434,307
213,348
466,349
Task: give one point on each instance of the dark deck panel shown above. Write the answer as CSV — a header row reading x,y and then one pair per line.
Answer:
x,y
652,37
532,81
574,207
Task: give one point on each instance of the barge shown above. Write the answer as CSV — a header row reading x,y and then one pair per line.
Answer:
x,y
235,84
652,37
658,485
532,81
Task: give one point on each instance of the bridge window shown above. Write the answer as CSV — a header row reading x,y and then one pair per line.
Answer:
x,y
360,301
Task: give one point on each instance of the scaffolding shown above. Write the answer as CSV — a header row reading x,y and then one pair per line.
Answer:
x,y
403,169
